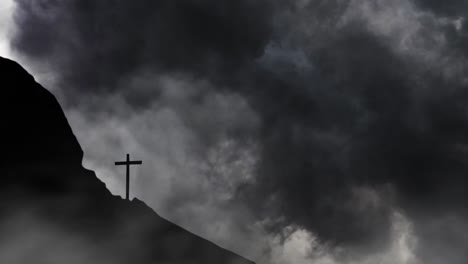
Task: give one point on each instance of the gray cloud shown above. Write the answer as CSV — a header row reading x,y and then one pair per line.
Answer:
x,y
326,117
450,8
118,38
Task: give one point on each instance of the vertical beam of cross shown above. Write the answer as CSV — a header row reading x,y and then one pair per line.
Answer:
x,y
127,163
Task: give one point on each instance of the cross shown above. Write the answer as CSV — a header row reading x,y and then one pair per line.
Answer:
x,y
128,163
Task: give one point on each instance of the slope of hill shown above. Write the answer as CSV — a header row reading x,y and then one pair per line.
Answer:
x,y
52,210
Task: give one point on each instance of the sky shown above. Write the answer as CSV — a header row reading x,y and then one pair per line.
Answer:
x,y
6,11
300,131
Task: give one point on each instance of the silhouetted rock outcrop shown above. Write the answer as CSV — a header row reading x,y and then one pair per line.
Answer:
x,y
52,210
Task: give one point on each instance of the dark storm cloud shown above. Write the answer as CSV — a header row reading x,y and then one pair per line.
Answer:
x,y
362,116
450,7
94,44
311,132
453,9
352,127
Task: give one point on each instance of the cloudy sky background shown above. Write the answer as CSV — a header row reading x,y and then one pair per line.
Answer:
x,y
305,131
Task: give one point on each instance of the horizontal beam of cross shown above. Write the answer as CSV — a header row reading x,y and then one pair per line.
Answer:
x,y
134,162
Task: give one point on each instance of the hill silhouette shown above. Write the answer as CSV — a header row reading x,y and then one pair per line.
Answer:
x,y
53,210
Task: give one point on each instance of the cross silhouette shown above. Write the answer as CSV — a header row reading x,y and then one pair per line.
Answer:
x,y
128,163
